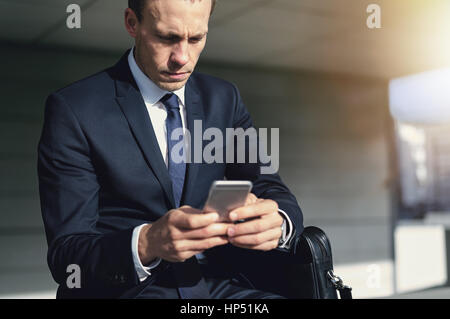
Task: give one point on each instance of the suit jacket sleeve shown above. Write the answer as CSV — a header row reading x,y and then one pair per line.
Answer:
x,y
267,186
69,202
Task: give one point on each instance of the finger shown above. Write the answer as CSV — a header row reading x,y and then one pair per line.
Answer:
x,y
187,219
264,247
260,208
255,226
257,239
275,217
251,199
181,257
199,244
212,230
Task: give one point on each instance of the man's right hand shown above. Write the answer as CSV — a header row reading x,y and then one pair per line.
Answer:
x,y
180,234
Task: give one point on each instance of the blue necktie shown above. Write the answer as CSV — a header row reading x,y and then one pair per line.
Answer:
x,y
187,274
177,169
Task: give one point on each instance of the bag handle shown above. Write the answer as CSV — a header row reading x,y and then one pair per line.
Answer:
x,y
344,291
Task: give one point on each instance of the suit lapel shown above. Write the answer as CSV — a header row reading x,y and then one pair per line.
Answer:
x,y
135,111
194,111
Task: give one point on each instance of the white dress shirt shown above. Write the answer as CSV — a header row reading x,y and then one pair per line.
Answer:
x,y
152,95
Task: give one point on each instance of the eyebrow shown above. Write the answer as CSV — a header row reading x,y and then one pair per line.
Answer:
x,y
175,35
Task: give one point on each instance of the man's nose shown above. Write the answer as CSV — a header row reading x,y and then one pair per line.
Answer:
x,y
180,54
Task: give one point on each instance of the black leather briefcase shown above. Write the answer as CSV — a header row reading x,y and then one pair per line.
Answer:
x,y
304,273
313,251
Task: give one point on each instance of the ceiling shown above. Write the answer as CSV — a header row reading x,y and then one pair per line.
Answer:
x,y
318,35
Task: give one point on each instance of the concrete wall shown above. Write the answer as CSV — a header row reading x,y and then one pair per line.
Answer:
x,y
333,152
28,76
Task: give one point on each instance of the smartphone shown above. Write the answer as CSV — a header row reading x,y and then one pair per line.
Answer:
x,y
224,196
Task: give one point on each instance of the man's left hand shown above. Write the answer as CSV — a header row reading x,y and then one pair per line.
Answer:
x,y
262,230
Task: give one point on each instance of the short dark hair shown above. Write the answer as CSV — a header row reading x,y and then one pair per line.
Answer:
x,y
138,5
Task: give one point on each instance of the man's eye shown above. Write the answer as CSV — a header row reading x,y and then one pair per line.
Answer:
x,y
167,39
195,40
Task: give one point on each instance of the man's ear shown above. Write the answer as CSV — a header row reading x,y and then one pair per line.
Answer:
x,y
131,22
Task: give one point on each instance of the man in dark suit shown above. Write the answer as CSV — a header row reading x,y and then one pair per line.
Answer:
x,y
114,201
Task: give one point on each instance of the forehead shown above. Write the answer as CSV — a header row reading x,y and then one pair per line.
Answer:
x,y
178,15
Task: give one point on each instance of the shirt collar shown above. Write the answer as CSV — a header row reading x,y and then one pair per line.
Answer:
x,y
151,93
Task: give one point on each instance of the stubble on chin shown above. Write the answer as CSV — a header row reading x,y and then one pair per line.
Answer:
x,y
171,86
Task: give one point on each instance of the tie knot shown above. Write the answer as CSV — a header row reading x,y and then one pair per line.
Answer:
x,y
170,100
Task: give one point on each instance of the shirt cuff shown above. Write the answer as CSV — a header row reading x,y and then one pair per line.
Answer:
x,y
142,271
286,236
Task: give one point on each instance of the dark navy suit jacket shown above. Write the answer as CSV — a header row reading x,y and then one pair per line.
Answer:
x,y
101,173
